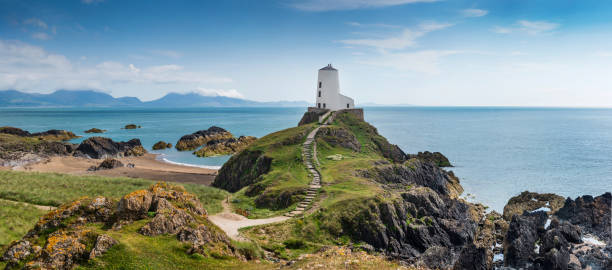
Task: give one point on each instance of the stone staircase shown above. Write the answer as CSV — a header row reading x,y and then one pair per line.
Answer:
x,y
309,150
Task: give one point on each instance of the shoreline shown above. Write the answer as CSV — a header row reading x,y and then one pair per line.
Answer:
x,y
149,166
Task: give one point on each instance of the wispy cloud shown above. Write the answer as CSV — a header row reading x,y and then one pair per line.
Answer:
x,y
233,93
383,25
528,27
36,22
328,5
41,36
167,53
474,12
406,38
426,61
27,67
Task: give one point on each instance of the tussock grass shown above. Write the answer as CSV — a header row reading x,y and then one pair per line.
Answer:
x,y
15,220
55,189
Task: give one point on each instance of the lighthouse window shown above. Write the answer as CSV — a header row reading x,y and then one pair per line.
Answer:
x,y
320,83
319,105
319,93
323,105
347,105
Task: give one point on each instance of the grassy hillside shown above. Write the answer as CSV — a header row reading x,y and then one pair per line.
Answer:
x,y
15,220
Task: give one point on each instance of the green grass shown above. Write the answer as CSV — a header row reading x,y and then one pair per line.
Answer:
x,y
136,251
15,220
54,189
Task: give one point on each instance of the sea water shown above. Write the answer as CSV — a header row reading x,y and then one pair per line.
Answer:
x,y
497,152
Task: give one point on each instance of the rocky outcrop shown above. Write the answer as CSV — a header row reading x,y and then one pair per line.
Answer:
x,y
280,199
107,164
100,147
161,145
530,201
435,157
131,126
50,135
574,237
225,146
199,138
95,130
67,241
416,172
17,150
242,170
339,136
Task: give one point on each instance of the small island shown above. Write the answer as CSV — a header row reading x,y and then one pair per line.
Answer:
x,y
131,126
95,130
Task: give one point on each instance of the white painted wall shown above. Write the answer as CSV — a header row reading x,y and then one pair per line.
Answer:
x,y
328,86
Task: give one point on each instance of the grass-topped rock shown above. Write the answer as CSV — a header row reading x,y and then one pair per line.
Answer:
x,y
161,145
49,135
201,137
225,146
82,231
95,130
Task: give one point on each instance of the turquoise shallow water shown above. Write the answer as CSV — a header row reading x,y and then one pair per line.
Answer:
x,y
498,152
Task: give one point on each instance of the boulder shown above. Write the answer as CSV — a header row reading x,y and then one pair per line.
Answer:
x,y
100,147
473,258
131,126
225,146
530,201
167,220
107,164
435,157
95,130
201,137
161,145
519,244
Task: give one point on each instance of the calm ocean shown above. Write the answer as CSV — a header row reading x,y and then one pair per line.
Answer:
x,y
497,152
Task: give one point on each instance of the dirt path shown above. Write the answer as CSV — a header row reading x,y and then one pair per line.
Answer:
x,y
41,207
230,222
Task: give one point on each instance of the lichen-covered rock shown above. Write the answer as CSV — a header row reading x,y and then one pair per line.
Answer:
x,y
201,137
339,136
135,206
17,251
64,249
435,157
161,145
103,243
100,147
530,201
225,147
95,130
242,170
167,220
204,239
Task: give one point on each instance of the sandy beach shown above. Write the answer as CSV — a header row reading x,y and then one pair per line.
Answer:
x,y
146,166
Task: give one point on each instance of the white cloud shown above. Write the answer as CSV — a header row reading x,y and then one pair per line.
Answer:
x,y
167,53
27,67
529,27
383,25
328,5
36,22
233,93
422,61
603,54
405,39
474,12
41,36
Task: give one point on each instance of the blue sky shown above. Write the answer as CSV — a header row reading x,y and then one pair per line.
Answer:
x,y
483,53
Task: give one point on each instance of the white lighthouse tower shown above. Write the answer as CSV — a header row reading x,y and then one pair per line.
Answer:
x,y
328,91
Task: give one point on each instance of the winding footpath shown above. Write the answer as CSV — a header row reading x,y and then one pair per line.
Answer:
x,y
231,222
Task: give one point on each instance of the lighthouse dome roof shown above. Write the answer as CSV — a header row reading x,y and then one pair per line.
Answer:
x,y
328,67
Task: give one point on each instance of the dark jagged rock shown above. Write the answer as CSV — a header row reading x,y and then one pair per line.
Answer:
x,y
473,258
50,135
339,136
225,146
161,145
530,201
435,157
591,214
14,131
201,137
99,147
95,130
242,170
107,164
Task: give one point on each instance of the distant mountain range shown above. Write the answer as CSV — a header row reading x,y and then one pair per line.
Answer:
x,y
90,98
